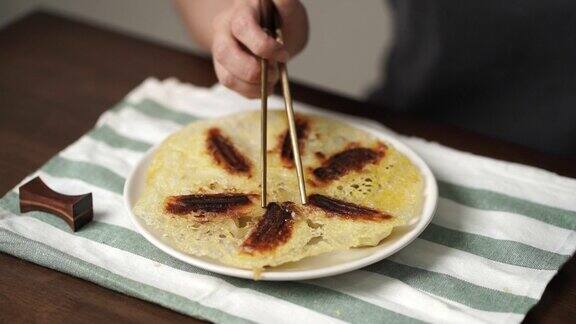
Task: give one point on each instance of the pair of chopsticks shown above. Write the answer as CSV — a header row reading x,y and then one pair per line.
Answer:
x,y
271,25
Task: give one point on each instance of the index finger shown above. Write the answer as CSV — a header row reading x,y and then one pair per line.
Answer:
x,y
246,29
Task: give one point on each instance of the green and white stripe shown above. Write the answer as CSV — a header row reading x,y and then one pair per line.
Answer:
x,y
108,135
499,235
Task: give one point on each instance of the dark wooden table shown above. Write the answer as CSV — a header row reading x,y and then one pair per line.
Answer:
x,y
57,76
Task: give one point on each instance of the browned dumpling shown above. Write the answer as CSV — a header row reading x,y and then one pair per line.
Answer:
x,y
203,186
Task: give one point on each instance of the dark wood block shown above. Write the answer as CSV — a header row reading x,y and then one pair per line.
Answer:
x,y
76,210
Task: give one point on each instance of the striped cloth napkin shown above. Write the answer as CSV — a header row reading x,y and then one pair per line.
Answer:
x,y
501,232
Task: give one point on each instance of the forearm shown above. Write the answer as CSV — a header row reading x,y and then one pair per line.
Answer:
x,y
198,16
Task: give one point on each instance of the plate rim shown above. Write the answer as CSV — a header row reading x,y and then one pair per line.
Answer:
x,y
428,211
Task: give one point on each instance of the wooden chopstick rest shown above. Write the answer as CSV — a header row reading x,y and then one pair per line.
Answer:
x,y
35,195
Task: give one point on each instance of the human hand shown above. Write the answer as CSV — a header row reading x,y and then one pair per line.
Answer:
x,y
239,42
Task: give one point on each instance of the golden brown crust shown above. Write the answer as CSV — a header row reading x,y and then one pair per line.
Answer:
x,y
211,203
320,156
274,228
286,153
351,159
225,154
341,208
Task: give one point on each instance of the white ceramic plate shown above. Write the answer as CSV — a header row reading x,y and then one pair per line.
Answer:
x,y
312,267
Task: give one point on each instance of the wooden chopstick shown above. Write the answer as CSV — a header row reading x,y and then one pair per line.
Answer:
x,y
264,129
292,124
269,23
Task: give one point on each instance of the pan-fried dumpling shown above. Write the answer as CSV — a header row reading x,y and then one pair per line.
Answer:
x,y
203,186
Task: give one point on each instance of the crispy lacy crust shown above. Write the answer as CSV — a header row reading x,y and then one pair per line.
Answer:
x,y
201,196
